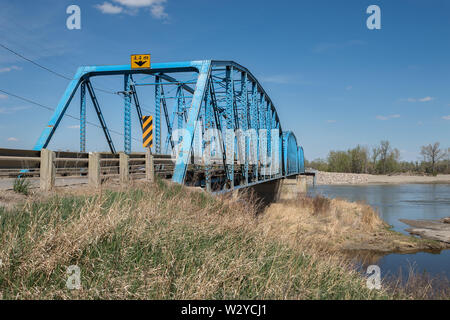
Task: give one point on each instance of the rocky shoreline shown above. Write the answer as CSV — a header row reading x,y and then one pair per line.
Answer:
x,y
430,229
329,178
338,178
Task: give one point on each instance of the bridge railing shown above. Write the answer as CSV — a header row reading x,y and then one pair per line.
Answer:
x,y
98,167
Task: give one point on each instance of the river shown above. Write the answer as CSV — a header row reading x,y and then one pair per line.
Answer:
x,y
403,201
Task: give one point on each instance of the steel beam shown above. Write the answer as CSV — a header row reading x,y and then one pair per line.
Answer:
x,y
245,122
127,114
83,117
166,115
254,124
188,136
158,115
230,126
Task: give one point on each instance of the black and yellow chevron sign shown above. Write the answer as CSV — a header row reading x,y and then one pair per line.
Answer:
x,y
140,61
147,131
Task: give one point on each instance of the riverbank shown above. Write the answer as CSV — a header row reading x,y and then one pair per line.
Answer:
x,y
160,241
429,229
166,241
336,225
336,178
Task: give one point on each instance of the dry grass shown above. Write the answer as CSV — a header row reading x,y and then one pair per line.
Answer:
x,y
327,224
335,230
166,242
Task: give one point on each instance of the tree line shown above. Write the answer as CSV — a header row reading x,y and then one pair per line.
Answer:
x,y
384,159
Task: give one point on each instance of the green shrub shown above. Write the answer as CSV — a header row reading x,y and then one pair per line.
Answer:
x,y
21,185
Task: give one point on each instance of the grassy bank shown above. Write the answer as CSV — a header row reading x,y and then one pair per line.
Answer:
x,y
160,242
337,226
169,242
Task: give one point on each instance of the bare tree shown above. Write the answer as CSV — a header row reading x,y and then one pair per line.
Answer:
x,y
375,154
432,154
448,160
385,148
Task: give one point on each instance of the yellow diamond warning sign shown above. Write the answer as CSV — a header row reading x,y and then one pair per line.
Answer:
x,y
140,61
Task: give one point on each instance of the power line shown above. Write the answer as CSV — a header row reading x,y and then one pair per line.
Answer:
x,y
61,75
45,68
66,114
34,62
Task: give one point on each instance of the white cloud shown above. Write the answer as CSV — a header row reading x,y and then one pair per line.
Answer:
x,y
424,99
12,139
109,8
158,12
8,69
384,118
131,7
76,126
5,110
446,117
331,121
349,88
3,96
139,3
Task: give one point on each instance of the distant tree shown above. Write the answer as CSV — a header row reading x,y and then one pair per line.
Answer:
x,y
358,159
447,170
384,149
318,164
375,154
392,163
432,154
339,161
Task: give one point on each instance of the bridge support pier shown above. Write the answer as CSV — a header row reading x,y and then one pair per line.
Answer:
x,y
293,187
124,172
94,170
149,166
47,170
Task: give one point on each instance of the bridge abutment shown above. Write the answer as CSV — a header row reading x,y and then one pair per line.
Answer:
x,y
281,189
293,187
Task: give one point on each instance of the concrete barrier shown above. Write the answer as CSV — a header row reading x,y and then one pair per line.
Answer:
x,y
47,170
124,172
94,170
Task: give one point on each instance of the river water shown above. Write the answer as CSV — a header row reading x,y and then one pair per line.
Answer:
x,y
405,201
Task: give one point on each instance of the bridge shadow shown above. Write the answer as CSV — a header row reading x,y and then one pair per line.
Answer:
x,y
261,195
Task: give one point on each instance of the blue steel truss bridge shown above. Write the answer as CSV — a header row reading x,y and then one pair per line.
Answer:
x,y
212,118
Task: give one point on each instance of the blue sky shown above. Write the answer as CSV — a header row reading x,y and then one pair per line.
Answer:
x,y
334,82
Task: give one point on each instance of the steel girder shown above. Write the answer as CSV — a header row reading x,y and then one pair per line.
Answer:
x,y
83,117
248,141
127,114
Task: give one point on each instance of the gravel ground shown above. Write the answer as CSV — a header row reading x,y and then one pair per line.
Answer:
x,y
330,178
7,183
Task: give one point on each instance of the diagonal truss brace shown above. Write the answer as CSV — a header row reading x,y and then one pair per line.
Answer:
x,y
184,152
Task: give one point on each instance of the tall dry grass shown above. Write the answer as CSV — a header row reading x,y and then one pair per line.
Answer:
x,y
162,242
323,223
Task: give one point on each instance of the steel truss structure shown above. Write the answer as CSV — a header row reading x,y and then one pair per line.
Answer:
x,y
223,130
